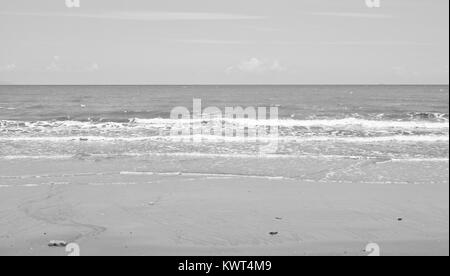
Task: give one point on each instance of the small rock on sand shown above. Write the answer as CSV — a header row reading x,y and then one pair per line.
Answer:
x,y
273,233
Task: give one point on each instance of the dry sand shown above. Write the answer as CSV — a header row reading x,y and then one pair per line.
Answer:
x,y
113,214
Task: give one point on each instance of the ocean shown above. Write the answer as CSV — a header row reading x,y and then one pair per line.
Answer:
x,y
338,123
341,121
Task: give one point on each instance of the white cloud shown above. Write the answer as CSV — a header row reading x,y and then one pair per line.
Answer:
x,y
353,15
54,66
216,42
8,68
403,72
93,67
258,66
304,43
143,16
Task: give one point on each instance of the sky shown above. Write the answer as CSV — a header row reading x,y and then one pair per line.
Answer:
x,y
224,42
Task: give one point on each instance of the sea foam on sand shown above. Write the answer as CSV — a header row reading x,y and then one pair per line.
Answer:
x,y
141,213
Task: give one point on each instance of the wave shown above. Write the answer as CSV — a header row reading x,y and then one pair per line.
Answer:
x,y
157,132
349,122
196,155
161,122
213,138
429,116
193,174
415,160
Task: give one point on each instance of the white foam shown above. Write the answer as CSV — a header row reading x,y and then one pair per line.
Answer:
x,y
113,184
38,157
137,173
414,160
219,155
383,139
349,122
218,139
160,122
191,174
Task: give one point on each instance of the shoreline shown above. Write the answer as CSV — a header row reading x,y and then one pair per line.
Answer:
x,y
196,215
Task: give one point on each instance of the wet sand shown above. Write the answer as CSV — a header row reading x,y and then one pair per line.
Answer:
x,y
109,213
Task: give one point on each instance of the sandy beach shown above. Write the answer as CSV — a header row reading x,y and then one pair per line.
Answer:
x,y
109,210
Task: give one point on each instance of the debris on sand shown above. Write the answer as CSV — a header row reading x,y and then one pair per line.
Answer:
x,y
279,218
57,244
273,233
399,219
84,139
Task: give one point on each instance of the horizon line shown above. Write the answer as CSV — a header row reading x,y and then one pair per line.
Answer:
x,y
236,84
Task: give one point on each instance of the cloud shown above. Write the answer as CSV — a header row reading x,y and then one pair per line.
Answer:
x,y
403,72
216,42
54,66
8,68
57,65
257,66
353,15
377,43
143,16
304,43
94,67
